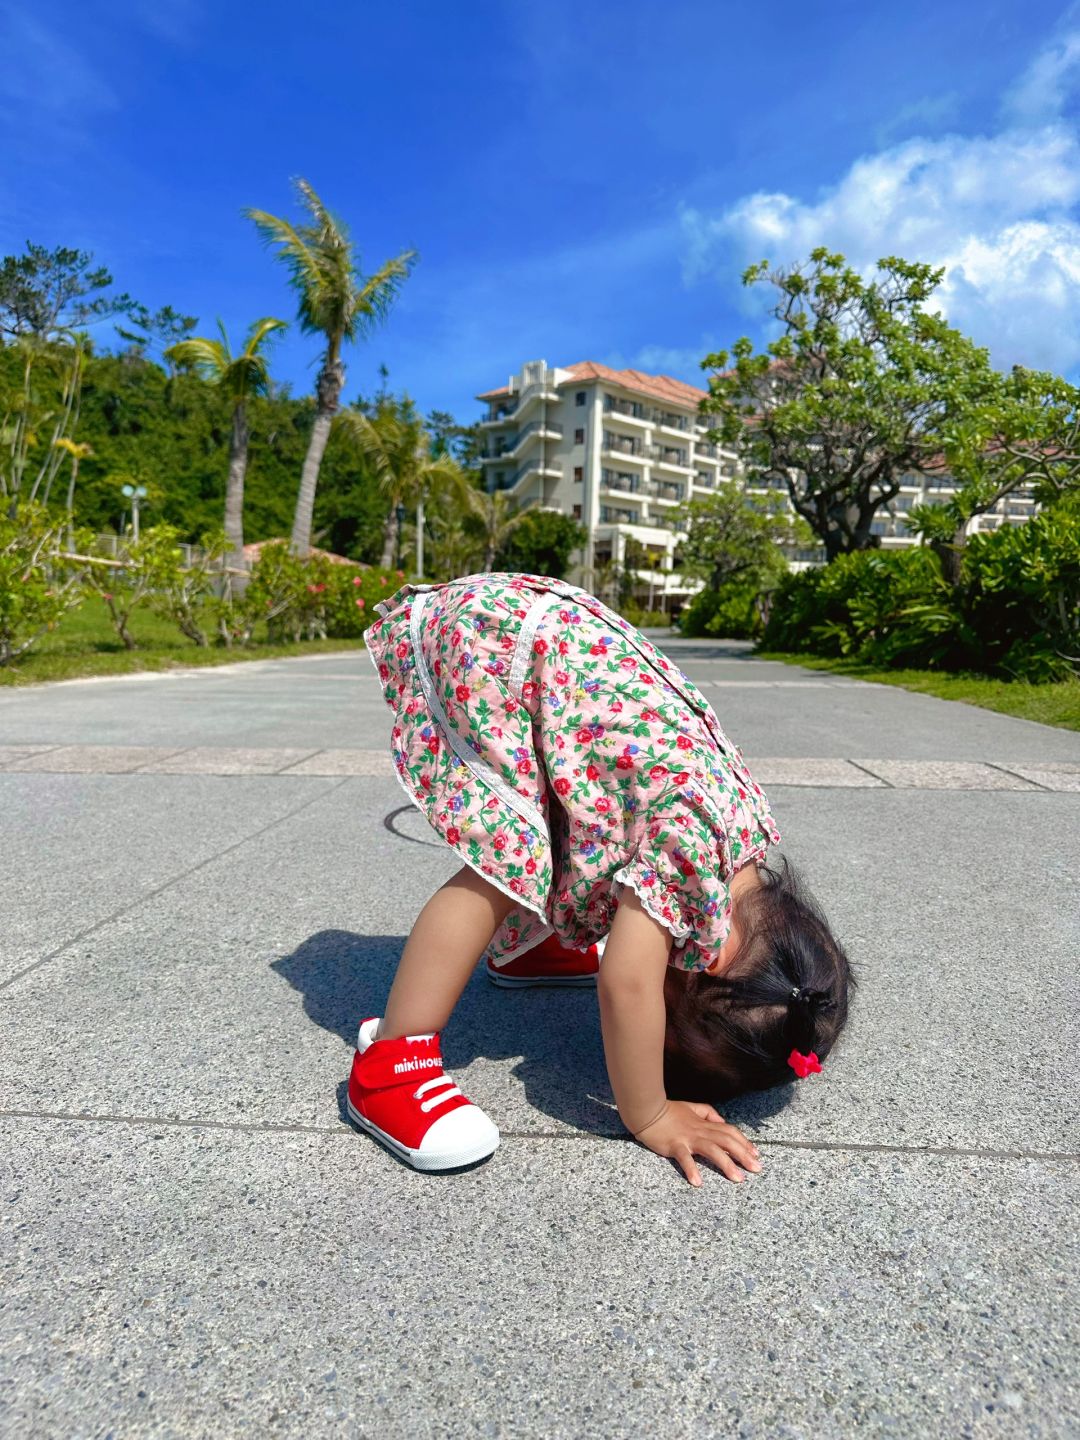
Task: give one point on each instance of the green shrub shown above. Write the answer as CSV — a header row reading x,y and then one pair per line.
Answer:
x,y
1022,594
734,612
37,587
1015,613
645,619
313,598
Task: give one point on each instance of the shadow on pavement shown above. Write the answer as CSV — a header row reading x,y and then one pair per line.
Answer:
x,y
552,1035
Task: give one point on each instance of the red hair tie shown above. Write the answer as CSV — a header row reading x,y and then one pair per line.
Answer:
x,y
804,1065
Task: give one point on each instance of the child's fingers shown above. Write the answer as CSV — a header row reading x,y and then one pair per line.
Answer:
x,y
738,1146
718,1156
685,1160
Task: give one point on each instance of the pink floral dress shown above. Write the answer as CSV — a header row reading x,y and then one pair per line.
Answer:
x,y
558,753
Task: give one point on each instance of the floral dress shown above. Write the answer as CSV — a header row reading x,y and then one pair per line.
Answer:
x,y
558,753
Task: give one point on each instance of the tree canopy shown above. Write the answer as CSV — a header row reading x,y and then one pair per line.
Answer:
x,y
864,387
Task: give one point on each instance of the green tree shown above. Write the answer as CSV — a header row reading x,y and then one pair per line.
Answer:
x,y
728,538
335,301
394,442
494,518
1023,430
35,592
542,544
853,396
240,377
49,293
47,298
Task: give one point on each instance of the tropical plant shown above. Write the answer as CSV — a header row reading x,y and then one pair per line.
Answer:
x,y
493,517
335,301
240,377
1024,431
76,452
541,542
394,443
732,536
863,388
37,587
142,565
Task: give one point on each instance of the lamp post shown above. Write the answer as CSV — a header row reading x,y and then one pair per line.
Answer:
x,y
134,493
399,512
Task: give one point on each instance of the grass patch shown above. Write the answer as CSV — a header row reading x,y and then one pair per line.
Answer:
x,y
1056,703
85,643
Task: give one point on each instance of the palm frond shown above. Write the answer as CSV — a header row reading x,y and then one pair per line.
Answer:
x,y
208,358
262,330
379,291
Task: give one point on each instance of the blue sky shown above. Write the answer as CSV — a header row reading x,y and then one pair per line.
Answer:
x,y
582,181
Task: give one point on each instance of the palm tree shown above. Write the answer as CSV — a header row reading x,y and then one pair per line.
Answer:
x,y
397,447
335,301
240,377
497,517
76,451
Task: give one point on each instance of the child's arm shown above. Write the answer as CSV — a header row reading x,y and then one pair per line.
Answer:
x,y
633,1018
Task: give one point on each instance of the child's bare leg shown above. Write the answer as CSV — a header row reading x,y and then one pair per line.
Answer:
x,y
451,933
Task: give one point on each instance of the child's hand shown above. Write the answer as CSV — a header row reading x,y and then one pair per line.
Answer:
x,y
684,1130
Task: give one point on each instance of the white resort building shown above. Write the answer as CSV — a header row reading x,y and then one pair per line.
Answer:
x,y
621,450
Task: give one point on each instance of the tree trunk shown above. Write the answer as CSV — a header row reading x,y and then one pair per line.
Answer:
x,y
950,554
70,501
327,395
234,496
389,538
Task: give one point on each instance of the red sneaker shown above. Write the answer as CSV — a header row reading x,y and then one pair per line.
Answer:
x,y
549,963
399,1093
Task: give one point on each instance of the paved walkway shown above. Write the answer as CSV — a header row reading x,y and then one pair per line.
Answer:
x,y
207,877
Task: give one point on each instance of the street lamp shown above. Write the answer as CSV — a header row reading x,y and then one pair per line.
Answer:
x,y
134,493
399,512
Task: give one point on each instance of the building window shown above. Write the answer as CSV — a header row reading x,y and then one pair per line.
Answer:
x,y
577,512
500,476
579,437
579,474
579,398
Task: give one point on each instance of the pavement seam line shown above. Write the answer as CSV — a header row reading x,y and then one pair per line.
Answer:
x,y
1004,769
345,1130
168,884
879,778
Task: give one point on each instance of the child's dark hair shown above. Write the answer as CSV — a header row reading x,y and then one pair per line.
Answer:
x,y
786,989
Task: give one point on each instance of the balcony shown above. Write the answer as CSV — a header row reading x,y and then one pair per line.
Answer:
x,y
624,445
616,515
702,481
509,445
666,490
621,480
538,465
672,421
626,409
673,457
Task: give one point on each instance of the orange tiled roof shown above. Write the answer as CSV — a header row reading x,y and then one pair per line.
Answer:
x,y
658,387
255,549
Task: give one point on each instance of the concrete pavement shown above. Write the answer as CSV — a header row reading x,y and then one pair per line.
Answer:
x,y
207,880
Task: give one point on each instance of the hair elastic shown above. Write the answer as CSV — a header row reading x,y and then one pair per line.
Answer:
x,y
804,1065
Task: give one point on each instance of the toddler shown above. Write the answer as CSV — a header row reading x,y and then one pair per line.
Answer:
x,y
587,788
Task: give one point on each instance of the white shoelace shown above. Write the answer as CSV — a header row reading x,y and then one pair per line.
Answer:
x,y
436,1099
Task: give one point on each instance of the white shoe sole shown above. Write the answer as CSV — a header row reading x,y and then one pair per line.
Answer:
x,y
522,982
434,1160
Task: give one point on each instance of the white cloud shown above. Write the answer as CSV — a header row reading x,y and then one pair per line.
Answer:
x,y
1043,88
998,211
42,73
680,360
